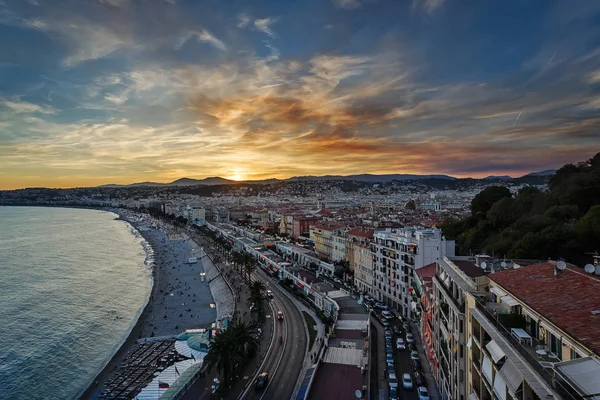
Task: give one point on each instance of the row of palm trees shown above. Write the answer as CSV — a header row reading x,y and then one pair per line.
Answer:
x,y
233,348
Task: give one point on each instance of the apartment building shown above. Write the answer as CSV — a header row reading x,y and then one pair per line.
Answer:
x,y
425,300
301,226
535,334
338,246
322,236
398,253
364,267
360,234
454,279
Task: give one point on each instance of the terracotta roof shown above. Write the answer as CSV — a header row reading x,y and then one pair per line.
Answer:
x,y
566,300
362,232
470,269
427,272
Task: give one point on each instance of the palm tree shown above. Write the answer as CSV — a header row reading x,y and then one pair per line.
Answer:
x,y
258,293
248,263
232,349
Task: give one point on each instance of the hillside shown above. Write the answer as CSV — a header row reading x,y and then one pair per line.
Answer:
x,y
563,222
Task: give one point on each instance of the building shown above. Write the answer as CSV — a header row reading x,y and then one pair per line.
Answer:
x,y
338,246
322,236
398,253
301,226
364,267
196,214
360,234
535,334
453,279
424,295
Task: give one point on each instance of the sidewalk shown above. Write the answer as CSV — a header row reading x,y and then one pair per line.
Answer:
x,y
429,378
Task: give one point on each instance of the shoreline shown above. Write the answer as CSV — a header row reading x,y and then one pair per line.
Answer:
x,y
169,287
137,329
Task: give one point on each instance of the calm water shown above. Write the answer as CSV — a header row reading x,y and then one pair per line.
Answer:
x,y
72,283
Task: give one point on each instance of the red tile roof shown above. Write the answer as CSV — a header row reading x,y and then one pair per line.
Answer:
x,y
566,300
427,272
362,232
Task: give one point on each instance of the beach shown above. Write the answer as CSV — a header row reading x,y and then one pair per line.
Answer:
x,y
181,296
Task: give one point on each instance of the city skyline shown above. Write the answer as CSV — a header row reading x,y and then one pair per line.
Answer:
x,y
117,91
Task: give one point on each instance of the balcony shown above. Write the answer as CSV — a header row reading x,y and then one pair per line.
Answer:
x,y
442,286
527,352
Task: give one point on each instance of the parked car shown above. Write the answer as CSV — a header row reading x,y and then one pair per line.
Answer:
x,y
381,306
394,394
385,324
416,365
396,330
389,358
391,369
392,380
389,349
262,380
388,342
405,325
423,394
419,380
409,337
400,344
414,355
407,382
387,315
388,334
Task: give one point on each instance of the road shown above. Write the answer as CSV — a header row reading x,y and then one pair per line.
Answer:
x,y
402,358
284,363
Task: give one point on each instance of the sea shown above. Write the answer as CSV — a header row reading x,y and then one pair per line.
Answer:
x,y
73,283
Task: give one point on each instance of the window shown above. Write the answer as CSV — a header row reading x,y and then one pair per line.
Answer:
x,y
460,326
574,355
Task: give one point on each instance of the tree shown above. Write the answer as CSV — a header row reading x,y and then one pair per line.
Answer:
x,y
258,292
232,348
486,199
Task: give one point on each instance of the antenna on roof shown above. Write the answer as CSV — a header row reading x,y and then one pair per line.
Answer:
x,y
589,268
559,267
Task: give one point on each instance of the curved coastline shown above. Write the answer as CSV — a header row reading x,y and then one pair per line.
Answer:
x,y
120,348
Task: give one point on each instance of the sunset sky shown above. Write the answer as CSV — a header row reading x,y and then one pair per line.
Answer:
x,y
122,91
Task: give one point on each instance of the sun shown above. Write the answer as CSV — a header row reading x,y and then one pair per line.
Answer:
x,y
237,176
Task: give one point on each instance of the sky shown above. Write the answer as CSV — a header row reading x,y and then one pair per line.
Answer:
x,y
120,91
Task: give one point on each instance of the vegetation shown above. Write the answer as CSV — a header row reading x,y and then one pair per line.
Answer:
x,y
310,323
258,294
562,222
232,349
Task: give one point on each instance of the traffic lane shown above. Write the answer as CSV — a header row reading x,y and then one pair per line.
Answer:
x,y
272,358
403,365
284,380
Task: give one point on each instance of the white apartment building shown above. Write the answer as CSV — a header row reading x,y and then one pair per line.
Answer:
x,y
398,253
196,214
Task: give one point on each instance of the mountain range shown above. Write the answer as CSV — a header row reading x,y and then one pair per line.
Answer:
x,y
361,178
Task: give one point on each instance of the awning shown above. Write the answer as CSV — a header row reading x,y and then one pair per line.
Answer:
x,y
497,291
582,374
510,301
486,368
470,342
473,396
500,387
495,351
512,377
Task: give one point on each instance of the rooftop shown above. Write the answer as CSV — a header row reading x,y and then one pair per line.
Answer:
x,y
362,232
470,269
427,272
566,300
350,375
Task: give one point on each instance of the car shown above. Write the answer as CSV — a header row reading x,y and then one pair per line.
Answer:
x,y
262,381
385,324
279,315
414,355
389,358
422,392
407,381
269,294
416,365
405,325
381,306
391,369
388,334
419,380
389,349
396,330
388,342
409,337
387,315
392,380
400,345
394,394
